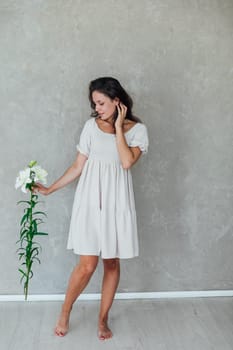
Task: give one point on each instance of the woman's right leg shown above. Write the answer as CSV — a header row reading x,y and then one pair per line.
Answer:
x,y
78,281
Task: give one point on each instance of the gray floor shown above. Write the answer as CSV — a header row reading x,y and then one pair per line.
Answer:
x,y
164,324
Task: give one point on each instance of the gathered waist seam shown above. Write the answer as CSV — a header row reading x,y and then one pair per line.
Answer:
x,y
93,159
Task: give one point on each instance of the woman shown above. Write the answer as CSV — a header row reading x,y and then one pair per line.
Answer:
x,y
103,218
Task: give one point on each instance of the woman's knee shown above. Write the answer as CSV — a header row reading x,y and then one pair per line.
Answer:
x,y
111,264
88,265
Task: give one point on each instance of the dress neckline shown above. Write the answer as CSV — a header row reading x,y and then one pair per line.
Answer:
x,y
109,133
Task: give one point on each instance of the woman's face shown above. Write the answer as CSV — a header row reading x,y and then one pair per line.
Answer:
x,y
104,105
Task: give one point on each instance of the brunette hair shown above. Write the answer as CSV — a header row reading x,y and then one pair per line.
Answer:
x,y
112,88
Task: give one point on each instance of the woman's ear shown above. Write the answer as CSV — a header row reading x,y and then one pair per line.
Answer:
x,y
116,100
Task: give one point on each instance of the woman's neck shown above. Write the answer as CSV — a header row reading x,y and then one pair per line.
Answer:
x,y
109,120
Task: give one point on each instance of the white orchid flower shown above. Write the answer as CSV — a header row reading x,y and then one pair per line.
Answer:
x,y
40,174
34,173
23,179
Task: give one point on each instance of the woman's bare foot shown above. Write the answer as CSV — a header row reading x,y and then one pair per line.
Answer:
x,y
104,332
62,325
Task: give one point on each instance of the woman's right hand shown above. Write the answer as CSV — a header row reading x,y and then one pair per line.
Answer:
x,y
39,188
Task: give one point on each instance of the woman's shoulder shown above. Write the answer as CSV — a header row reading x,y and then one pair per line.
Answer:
x,y
137,125
90,121
133,125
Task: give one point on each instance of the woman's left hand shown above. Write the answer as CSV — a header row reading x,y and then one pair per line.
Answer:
x,y
122,110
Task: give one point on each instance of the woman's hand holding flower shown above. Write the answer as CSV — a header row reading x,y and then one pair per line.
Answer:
x,y
39,188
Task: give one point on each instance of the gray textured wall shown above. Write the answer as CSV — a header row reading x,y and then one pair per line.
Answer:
x,y
175,58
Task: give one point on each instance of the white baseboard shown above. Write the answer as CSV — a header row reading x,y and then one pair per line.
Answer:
x,y
123,296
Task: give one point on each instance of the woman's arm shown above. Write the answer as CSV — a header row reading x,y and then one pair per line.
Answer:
x,y
128,155
70,175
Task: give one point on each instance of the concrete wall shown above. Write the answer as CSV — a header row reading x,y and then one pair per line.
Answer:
x,y
175,58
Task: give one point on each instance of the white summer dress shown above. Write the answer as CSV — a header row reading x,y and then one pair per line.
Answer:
x,y
103,220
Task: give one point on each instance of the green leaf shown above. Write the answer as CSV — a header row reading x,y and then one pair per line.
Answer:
x,y
38,220
23,228
23,233
24,218
41,234
34,226
28,186
29,255
23,273
37,259
21,279
20,256
36,243
28,202
39,212
21,248
25,224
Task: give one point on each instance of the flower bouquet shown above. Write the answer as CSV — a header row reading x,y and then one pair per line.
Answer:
x,y
29,249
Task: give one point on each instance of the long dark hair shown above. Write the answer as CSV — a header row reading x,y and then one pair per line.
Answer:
x,y
112,88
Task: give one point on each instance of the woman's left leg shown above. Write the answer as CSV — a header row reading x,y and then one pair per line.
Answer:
x,y
110,282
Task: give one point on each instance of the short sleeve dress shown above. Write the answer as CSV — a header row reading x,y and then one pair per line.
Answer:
x,y
103,220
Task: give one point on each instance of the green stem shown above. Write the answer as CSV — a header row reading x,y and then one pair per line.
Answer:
x,y
29,244
29,250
